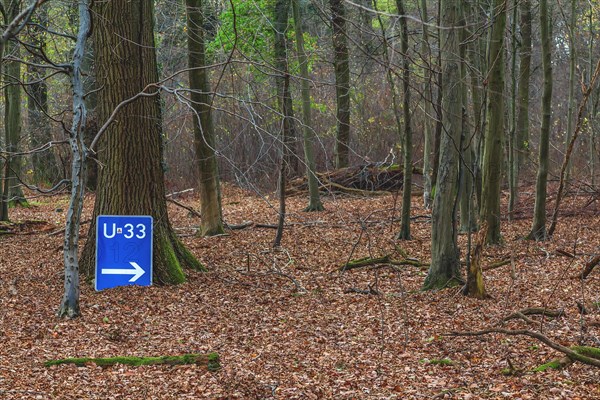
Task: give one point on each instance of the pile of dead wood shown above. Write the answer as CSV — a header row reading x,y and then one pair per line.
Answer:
x,y
366,178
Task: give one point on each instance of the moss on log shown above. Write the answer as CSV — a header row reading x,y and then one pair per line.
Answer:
x,y
210,361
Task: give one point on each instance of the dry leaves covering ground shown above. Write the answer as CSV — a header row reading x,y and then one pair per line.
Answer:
x,y
282,320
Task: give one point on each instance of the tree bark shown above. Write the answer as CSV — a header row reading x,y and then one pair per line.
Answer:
x,y
69,307
538,229
444,270
204,136
407,186
428,108
492,154
314,198
342,83
131,149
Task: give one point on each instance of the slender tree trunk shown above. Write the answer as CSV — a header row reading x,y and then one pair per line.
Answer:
x,y
342,83
45,168
522,124
12,117
512,151
468,218
438,108
132,179
592,102
284,100
492,154
204,135
314,198
427,107
444,270
538,229
407,184
572,80
69,306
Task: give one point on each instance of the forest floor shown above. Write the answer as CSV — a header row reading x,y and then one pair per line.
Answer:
x,y
288,324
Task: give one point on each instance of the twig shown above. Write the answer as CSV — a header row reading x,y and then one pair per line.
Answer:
x,y
544,339
190,209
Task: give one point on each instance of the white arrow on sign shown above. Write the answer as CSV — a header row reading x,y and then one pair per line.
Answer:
x,y
137,271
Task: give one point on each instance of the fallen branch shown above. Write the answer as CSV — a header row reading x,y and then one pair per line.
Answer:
x,y
190,209
590,266
243,225
369,291
62,230
365,262
210,361
495,265
586,355
534,311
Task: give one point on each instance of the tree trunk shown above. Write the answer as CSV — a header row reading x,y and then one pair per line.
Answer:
x,y
468,217
69,307
492,154
204,135
407,186
538,229
342,83
572,80
428,108
512,134
444,270
521,145
12,117
314,198
132,179
45,168
284,100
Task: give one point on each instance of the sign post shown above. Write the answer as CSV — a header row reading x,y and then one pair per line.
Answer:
x,y
123,251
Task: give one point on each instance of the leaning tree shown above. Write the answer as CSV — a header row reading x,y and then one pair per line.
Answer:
x,y
130,148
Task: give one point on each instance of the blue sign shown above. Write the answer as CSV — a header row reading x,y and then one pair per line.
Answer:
x,y
123,251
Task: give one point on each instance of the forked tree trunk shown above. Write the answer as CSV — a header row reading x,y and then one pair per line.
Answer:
x,y
204,135
132,179
342,83
444,270
538,229
492,154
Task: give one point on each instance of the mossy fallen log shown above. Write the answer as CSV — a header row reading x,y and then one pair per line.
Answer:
x,y
563,362
209,361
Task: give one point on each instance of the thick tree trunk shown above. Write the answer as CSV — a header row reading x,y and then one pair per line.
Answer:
x,y
444,270
492,154
204,136
538,229
342,83
132,179
314,198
